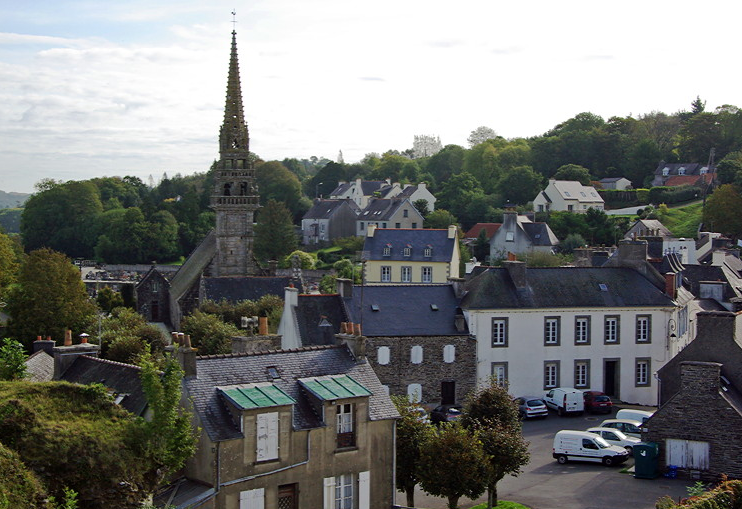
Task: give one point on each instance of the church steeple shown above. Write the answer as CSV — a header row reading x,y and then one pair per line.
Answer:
x,y
235,196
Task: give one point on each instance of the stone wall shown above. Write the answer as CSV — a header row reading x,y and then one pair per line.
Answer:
x,y
249,344
400,372
700,413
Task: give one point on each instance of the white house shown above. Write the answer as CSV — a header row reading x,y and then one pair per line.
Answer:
x,y
606,329
518,234
567,195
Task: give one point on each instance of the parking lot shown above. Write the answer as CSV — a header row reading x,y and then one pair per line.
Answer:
x,y
545,484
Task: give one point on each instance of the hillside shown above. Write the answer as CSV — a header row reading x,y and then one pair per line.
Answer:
x,y
12,200
684,221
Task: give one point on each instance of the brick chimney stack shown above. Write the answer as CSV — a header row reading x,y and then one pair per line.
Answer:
x,y
517,272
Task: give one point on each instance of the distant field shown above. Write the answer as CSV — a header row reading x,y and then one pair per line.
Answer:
x,y
684,221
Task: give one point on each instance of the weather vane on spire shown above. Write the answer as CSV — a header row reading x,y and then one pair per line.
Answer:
x,y
234,21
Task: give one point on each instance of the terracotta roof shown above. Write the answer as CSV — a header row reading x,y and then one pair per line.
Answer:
x,y
688,180
490,228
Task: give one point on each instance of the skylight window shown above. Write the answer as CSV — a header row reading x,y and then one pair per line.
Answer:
x,y
374,307
603,287
273,372
566,193
434,307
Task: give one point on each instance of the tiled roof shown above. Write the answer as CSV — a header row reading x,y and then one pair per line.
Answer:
x,y
234,289
319,318
223,370
122,378
563,287
688,180
416,239
405,310
490,228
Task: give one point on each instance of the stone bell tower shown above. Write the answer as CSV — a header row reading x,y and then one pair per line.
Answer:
x,y
235,196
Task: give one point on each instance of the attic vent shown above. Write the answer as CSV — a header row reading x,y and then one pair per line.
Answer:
x,y
273,372
374,307
434,307
603,287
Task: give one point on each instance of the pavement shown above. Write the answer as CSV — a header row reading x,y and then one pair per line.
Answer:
x,y
545,484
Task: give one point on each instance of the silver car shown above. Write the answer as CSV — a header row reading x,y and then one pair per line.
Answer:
x,y
530,407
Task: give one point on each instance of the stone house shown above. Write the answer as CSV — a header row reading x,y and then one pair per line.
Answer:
x,y
153,296
699,429
619,183
328,220
411,256
306,428
518,234
389,213
605,329
569,196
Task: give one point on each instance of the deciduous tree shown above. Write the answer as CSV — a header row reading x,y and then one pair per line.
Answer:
x,y
12,361
480,135
274,232
411,432
721,213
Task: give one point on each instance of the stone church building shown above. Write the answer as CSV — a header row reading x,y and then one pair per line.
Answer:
x,y
223,265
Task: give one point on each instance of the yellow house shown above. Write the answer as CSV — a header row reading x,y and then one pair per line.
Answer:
x,y
411,256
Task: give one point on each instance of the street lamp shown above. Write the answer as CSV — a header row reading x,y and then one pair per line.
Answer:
x,y
316,189
671,336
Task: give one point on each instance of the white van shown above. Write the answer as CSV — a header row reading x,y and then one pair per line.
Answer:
x,y
635,415
565,400
586,446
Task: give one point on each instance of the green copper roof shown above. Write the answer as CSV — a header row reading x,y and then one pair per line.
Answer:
x,y
251,396
334,387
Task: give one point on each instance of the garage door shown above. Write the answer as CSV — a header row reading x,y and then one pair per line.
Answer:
x,y
688,454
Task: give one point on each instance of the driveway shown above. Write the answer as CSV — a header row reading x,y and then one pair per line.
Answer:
x,y
545,484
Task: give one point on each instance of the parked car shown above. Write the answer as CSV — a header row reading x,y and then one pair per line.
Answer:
x,y
445,413
586,446
565,400
616,437
596,401
627,426
420,414
531,406
636,415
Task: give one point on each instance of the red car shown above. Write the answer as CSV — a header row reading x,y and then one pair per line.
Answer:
x,y
597,402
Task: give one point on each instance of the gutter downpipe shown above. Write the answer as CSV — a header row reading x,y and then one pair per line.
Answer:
x,y
251,477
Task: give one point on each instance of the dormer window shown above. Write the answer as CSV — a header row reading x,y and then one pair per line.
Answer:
x,y
388,250
704,170
344,419
665,171
681,171
428,252
407,251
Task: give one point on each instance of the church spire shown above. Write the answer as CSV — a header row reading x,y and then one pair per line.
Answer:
x,y
234,139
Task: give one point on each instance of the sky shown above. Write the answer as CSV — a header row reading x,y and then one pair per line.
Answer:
x,y
92,88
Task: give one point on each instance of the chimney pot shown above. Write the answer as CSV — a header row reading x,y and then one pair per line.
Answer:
x,y
187,339
357,329
263,325
68,337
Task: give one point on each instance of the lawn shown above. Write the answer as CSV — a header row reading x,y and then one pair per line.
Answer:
x,y
502,504
684,221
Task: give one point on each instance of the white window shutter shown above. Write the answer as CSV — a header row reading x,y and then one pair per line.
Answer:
x,y
267,436
414,393
383,355
262,438
364,490
329,493
272,445
416,355
449,353
252,499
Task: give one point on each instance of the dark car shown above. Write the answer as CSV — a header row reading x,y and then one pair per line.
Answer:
x,y
445,413
597,402
531,406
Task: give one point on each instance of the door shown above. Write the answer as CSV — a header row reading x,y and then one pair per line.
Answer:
x,y
448,392
155,311
610,378
288,496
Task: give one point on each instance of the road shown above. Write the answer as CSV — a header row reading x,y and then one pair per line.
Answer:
x,y
545,484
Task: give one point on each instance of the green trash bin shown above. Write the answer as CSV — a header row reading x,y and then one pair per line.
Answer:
x,y
646,458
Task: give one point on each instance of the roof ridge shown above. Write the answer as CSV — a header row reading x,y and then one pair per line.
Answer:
x,y
266,352
113,363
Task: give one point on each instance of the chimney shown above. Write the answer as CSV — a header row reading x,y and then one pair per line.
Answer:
x,y
272,267
291,296
630,252
452,231
263,325
370,230
670,288
517,272
65,355
717,258
700,377
344,287
44,344
181,339
173,338
67,337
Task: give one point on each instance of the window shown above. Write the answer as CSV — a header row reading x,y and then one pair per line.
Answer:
x,y
398,225
407,274
414,225
570,208
665,171
362,223
682,321
386,274
509,236
540,208
642,372
499,332
267,443
582,373
405,213
449,354
612,331
427,274
551,374
252,499
348,491
383,225
155,286
428,252
344,491
387,250
551,330
644,329
407,251
382,355
500,373
415,393
416,354
582,330
344,425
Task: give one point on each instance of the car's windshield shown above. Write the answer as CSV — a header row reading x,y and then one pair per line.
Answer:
x,y
535,402
602,398
602,443
454,411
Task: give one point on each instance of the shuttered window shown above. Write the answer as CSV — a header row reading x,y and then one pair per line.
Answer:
x,y
267,442
252,499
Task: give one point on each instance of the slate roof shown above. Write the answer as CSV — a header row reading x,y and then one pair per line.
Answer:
x,y
369,187
540,234
122,378
381,209
563,287
40,367
233,369
237,288
643,227
693,275
610,179
319,317
573,190
341,189
417,239
324,209
405,310
673,168
490,228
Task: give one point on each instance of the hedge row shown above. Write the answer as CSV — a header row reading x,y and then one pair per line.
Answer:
x,y
727,495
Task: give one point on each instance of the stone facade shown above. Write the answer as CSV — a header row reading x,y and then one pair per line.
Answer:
x,y
702,413
153,297
400,372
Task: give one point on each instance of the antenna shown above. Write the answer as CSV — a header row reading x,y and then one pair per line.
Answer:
x,y
234,20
